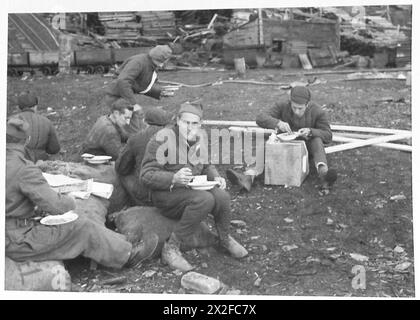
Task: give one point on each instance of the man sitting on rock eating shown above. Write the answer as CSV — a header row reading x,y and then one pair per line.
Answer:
x,y
28,196
169,165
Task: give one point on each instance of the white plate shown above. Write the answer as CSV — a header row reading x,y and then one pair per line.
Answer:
x,y
87,155
288,136
203,185
98,159
54,220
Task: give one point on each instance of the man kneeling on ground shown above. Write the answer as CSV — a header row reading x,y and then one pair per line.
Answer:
x,y
28,194
168,184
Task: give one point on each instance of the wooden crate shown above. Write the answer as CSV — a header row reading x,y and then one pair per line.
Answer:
x,y
286,163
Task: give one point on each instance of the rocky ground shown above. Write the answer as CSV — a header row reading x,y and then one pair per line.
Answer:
x,y
300,243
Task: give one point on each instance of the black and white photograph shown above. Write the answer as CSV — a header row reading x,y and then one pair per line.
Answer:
x,y
222,151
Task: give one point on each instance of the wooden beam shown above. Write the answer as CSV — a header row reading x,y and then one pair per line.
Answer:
x,y
368,142
334,127
311,73
394,146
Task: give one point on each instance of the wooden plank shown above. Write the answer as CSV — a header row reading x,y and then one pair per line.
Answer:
x,y
386,145
333,127
306,64
368,142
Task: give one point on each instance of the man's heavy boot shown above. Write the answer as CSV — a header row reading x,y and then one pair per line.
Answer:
x,y
171,254
235,249
327,177
240,179
143,250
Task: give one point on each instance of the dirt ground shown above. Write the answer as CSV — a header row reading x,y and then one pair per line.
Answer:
x,y
300,243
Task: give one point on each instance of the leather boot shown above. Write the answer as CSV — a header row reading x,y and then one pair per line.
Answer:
x,y
235,249
240,179
143,250
171,255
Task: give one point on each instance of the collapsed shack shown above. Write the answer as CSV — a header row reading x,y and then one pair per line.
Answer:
x,y
318,37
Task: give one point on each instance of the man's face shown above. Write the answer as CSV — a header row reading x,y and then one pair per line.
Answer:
x,y
159,64
122,118
299,109
189,125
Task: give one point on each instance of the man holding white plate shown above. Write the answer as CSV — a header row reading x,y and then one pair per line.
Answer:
x,y
65,235
169,181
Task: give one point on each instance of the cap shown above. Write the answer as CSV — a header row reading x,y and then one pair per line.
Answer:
x,y
17,128
156,117
27,100
300,95
196,109
160,53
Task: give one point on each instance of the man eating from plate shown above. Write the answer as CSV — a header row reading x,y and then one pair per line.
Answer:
x,y
167,172
28,195
299,114
110,131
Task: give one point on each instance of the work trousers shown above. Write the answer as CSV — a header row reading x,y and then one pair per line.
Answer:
x,y
316,150
37,242
191,207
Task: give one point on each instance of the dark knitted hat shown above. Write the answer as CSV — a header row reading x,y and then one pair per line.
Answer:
x,y
157,117
27,100
300,95
17,128
196,109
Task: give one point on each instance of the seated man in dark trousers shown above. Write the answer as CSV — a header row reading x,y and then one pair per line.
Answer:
x,y
168,184
27,193
299,113
43,136
128,164
110,131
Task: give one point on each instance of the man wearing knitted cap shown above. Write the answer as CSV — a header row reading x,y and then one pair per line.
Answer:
x,y
110,131
129,161
43,136
299,113
137,75
28,196
166,172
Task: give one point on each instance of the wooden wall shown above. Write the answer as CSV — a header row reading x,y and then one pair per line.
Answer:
x,y
315,34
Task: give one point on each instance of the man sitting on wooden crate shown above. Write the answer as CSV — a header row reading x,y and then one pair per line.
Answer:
x,y
169,165
299,113
28,196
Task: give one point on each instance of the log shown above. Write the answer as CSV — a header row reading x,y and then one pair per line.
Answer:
x,y
368,142
394,146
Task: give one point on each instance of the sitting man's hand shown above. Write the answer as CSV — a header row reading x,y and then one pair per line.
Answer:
x,y
137,107
182,176
222,182
304,132
284,127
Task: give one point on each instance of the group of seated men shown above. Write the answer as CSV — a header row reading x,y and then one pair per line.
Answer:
x,y
134,141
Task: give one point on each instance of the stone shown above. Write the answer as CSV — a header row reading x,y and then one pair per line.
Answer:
x,y
200,283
